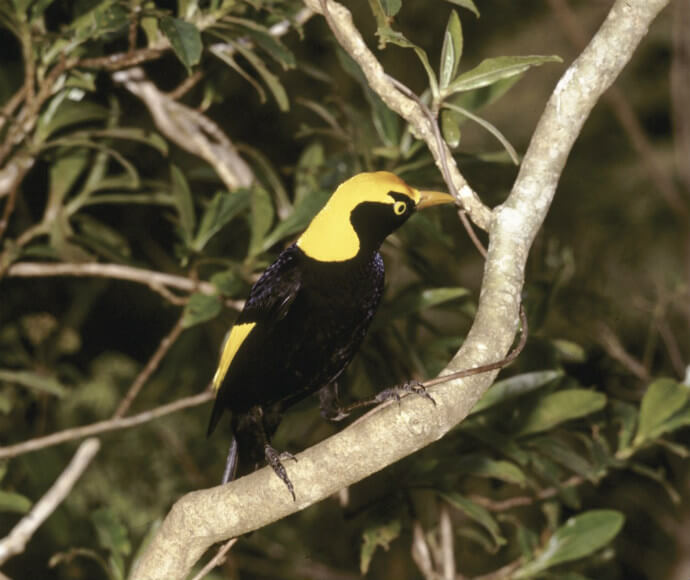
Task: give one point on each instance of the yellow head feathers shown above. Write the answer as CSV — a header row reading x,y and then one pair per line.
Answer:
x,y
331,236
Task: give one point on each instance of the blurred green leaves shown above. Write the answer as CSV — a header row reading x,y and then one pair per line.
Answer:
x,y
185,40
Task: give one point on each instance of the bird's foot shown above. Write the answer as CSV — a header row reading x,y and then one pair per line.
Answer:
x,y
408,388
274,458
331,409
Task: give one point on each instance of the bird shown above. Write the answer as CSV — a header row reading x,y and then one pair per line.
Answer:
x,y
307,314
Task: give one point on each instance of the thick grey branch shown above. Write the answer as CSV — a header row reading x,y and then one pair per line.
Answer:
x,y
204,517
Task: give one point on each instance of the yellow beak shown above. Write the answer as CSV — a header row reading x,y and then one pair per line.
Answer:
x,y
430,198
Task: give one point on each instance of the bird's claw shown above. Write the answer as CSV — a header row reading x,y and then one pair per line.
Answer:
x,y
273,458
407,388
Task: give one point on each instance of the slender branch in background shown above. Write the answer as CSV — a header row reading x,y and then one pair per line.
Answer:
x,y
104,426
447,543
15,542
217,560
625,115
8,109
350,39
615,349
525,500
421,553
154,280
113,62
163,348
189,129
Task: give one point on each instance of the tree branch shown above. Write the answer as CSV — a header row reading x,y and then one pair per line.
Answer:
x,y
154,280
15,542
103,426
189,129
202,518
339,19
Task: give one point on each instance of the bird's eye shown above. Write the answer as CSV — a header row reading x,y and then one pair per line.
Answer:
x,y
399,207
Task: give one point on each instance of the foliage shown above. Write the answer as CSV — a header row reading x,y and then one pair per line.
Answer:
x,y
537,481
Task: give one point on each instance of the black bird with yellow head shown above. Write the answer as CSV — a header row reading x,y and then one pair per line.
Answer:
x,y
308,313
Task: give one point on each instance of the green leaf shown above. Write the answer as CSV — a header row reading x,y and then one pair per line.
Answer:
x,y
625,415
310,162
262,215
33,380
298,220
267,41
451,53
469,4
391,7
14,502
663,398
64,172
105,18
515,387
66,109
555,408
564,455
112,536
580,536
227,282
483,466
386,122
450,127
490,128
200,308
477,513
416,299
184,202
569,351
659,476
223,208
387,34
495,69
381,534
497,441
145,136
185,40
271,80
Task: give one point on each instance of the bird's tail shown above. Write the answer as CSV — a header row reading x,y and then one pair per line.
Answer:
x,y
216,414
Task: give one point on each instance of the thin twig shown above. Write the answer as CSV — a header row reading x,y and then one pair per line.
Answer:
x,y
447,543
120,60
421,553
7,110
615,349
442,146
189,129
524,500
151,366
217,560
15,542
151,278
510,357
104,426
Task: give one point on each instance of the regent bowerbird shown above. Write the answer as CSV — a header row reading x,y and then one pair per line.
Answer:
x,y
308,313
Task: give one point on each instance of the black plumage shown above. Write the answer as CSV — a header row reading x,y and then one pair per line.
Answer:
x,y
308,313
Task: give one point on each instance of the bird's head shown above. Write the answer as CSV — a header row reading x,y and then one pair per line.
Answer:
x,y
361,213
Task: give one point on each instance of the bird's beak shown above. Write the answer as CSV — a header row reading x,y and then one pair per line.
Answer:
x,y
430,198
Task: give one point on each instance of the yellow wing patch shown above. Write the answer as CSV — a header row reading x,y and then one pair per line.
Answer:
x,y
233,341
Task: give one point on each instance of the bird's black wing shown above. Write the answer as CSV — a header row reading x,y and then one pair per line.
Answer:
x,y
269,302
